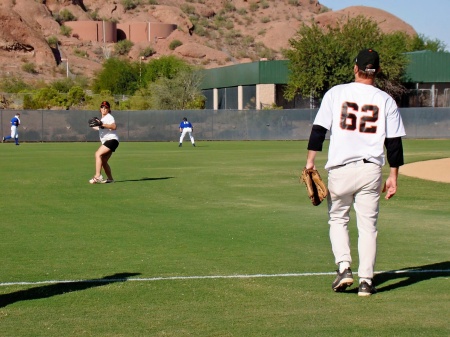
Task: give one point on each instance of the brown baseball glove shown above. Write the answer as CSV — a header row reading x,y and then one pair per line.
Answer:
x,y
317,191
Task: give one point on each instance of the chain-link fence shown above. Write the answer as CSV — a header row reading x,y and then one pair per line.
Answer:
x,y
162,125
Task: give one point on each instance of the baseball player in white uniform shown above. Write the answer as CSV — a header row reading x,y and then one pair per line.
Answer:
x,y
186,127
362,120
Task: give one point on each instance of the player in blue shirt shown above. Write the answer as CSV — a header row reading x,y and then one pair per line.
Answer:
x,y
15,122
186,127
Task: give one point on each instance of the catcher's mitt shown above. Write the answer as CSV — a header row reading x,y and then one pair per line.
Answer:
x,y
94,121
317,191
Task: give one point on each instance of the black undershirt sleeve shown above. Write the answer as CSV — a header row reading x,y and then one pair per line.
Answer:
x,y
317,138
394,150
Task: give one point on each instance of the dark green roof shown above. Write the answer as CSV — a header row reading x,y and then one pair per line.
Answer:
x,y
261,72
424,67
428,67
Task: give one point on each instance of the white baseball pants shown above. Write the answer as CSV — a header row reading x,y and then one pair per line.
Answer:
x,y
14,133
356,183
183,133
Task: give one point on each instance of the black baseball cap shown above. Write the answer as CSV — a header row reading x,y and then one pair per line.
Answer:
x,y
368,60
106,104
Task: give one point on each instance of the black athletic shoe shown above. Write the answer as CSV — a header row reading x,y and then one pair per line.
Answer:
x,y
180,145
343,280
365,289
193,145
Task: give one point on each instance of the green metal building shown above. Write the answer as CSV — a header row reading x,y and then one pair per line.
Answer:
x,y
261,84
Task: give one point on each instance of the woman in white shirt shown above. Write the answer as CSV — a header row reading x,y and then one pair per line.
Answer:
x,y
110,142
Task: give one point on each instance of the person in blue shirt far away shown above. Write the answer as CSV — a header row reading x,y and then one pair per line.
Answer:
x,y
15,122
186,127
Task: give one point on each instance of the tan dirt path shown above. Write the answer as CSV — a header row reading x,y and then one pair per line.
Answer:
x,y
435,170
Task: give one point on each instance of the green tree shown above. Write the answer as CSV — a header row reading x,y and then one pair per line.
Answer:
x,y
321,58
103,95
63,85
165,66
179,93
76,96
46,98
421,42
28,102
120,77
140,100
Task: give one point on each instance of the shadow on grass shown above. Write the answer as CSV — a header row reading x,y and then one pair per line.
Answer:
x,y
142,179
411,275
61,288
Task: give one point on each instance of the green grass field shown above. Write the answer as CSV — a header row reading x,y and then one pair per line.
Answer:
x,y
217,240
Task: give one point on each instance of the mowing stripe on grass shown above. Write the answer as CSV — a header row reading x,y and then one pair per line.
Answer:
x,y
173,278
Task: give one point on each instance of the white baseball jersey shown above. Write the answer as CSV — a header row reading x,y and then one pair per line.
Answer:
x,y
359,117
107,134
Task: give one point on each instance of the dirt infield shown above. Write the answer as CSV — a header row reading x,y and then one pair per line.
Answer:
x,y
436,170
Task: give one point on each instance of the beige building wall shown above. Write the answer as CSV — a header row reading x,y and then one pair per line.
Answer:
x,y
240,97
265,95
216,98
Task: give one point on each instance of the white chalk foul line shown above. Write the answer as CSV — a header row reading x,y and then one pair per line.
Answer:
x,y
174,278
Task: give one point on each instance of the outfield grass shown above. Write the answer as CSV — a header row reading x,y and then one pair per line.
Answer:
x,y
164,250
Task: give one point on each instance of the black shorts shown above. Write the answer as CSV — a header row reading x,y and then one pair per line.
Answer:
x,y
112,144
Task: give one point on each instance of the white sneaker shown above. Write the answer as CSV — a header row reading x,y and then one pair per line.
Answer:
x,y
96,180
108,181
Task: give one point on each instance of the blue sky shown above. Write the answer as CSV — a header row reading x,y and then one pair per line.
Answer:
x,y
430,18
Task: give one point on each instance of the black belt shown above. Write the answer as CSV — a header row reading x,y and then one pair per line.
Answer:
x,y
365,161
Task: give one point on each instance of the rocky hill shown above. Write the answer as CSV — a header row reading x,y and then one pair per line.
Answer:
x,y
212,33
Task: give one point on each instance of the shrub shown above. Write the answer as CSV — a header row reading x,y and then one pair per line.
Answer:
x,y
29,68
53,41
229,7
187,9
94,15
175,44
242,11
129,4
123,47
13,85
253,7
80,53
265,4
66,15
200,30
66,31
147,52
